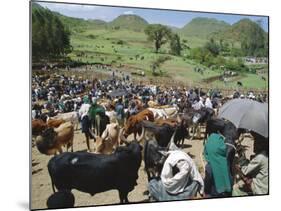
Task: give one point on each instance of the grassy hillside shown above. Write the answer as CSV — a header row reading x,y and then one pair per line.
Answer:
x,y
132,22
238,31
203,27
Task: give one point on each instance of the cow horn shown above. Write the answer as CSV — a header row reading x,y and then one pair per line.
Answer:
x,y
142,134
122,138
172,145
179,119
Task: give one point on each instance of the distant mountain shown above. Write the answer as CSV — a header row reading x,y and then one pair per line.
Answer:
x,y
203,27
238,31
97,22
132,22
79,24
173,28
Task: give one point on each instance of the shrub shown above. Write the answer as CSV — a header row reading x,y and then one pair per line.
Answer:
x,y
120,42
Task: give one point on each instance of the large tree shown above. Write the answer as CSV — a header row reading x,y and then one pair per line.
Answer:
x,y
175,45
158,34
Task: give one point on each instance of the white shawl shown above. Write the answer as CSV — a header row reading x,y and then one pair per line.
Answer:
x,y
187,171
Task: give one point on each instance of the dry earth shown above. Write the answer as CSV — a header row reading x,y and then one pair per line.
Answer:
x,y
41,184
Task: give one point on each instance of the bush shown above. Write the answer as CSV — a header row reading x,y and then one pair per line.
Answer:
x,y
91,36
120,42
213,47
236,65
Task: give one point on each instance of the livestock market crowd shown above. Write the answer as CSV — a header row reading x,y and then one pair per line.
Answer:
x,y
125,123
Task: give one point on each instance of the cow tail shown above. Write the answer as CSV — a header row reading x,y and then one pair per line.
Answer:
x,y
50,166
53,186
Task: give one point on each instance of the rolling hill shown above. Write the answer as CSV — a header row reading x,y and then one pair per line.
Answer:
x,y
239,30
132,22
203,27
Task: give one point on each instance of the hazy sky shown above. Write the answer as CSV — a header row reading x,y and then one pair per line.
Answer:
x,y
167,17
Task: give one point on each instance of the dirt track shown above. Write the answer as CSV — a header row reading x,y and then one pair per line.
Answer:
x,y
41,184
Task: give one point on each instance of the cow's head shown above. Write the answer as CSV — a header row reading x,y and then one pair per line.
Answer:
x,y
130,125
124,140
46,141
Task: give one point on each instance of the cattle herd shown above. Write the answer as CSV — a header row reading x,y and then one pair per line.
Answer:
x,y
155,116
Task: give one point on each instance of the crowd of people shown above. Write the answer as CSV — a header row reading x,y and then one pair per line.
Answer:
x,y
180,177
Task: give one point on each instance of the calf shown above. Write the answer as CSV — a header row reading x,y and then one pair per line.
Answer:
x,y
96,173
52,139
108,142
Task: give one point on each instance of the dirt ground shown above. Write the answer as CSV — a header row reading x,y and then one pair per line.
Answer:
x,y
41,184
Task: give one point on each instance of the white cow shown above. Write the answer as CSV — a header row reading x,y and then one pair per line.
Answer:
x,y
164,112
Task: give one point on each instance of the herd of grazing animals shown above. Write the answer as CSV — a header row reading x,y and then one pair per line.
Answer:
x,y
115,160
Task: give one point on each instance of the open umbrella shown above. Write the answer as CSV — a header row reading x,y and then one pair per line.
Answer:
x,y
247,114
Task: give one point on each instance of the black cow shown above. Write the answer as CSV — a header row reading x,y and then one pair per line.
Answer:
x,y
95,173
162,133
200,117
153,159
239,83
154,156
61,199
181,132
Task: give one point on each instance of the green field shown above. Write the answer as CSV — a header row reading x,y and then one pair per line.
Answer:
x,y
101,46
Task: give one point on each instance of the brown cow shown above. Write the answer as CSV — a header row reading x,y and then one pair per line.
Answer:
x,y
52,139
38,125
133,123
55,122
170,121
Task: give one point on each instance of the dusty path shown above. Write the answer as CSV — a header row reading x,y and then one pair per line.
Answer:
x,y
41,184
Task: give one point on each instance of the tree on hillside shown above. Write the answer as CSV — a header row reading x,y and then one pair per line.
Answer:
x,y
50,39
213,47
158,34
175,45
254,44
